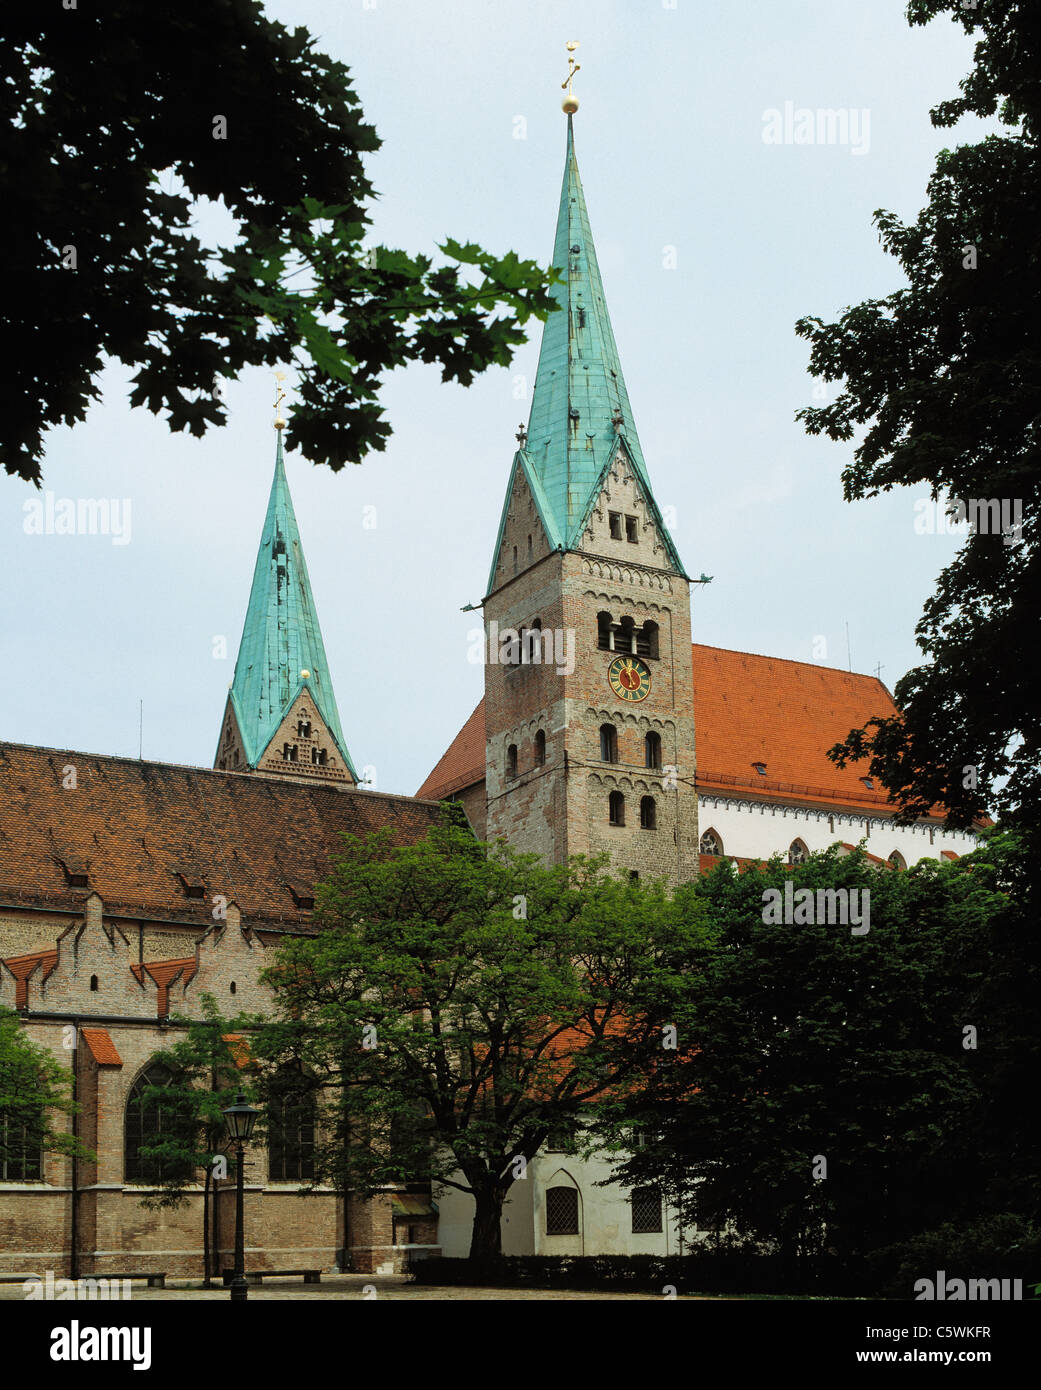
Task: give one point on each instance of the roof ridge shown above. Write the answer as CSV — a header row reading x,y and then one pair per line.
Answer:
x,y
789,660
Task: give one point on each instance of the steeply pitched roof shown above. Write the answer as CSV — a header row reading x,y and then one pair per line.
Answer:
x,y
784,714
141,826
748,709
281,637
463,764
580,409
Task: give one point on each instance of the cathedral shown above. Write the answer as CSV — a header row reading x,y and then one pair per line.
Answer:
x,y
129,889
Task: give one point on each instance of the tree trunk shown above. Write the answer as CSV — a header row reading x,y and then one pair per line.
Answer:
x,y
486,1241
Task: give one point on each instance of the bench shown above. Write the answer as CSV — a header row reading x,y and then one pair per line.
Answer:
x,y
257,1276
155,1280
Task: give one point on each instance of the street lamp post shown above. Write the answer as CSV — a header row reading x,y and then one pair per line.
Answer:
x,y
240,1119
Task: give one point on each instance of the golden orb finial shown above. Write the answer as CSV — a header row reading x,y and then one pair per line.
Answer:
x,y
305,675
570,102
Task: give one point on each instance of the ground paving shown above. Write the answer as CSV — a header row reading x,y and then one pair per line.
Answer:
x,y
357,1286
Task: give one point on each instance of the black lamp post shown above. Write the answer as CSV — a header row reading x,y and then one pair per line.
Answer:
x,y
240,1119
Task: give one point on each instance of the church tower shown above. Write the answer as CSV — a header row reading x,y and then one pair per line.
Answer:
x,y
281,718
589,715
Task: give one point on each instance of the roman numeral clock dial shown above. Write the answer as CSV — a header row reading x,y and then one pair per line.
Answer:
x,y
629,678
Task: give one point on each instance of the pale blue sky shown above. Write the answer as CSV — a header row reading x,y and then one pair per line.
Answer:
x,y
670,145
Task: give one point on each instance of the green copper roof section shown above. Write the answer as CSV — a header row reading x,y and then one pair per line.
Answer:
x,y
281,637
580,408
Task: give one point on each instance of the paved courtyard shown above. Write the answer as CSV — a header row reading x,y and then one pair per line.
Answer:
x,y
357,1286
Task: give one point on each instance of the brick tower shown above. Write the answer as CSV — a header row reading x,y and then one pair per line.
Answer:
x,y
589,714
281,718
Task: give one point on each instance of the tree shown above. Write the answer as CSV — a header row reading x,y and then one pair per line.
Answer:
x,y
205,1071
202,1072
119,121
33,1086
831,1099
460,1001
944,378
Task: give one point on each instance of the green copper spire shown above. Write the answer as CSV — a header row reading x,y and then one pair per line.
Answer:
x,y
281,637
580,409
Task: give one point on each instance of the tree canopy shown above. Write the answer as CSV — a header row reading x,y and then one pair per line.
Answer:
x,y
941,385
118,120
459,1002
33,1089
847,1092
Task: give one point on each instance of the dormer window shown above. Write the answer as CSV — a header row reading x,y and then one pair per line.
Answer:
x,y
192,885
76,872
302,897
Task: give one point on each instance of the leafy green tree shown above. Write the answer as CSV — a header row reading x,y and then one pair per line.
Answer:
x,y
207,1066
119,121
460,1001
815,1042
33,1088
941,385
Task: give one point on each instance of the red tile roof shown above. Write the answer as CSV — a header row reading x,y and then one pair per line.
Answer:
x,y
21,967
747,709
101,1046
138,825
463,764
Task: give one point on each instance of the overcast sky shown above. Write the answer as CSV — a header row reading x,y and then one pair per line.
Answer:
x,y
711,241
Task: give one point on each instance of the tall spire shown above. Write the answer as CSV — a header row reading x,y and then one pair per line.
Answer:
x,y
580,408
281,652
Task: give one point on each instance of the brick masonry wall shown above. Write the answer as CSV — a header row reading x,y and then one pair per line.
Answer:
x,y
561,808
115,1233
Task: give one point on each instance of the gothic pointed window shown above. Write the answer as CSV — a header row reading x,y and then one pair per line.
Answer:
x,y
150,1122
22,1127
540,748
291,1127
897,860
511,760
711,843
608,743
616,808
562,1211
797,852
648,813
652,750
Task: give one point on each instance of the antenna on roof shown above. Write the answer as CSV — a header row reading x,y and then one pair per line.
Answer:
x,y
849,657
140,727
879,668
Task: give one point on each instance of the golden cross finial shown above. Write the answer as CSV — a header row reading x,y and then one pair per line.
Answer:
x,y
280,396
570,102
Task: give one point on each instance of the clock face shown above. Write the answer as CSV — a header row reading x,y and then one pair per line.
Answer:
x,y
629,678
